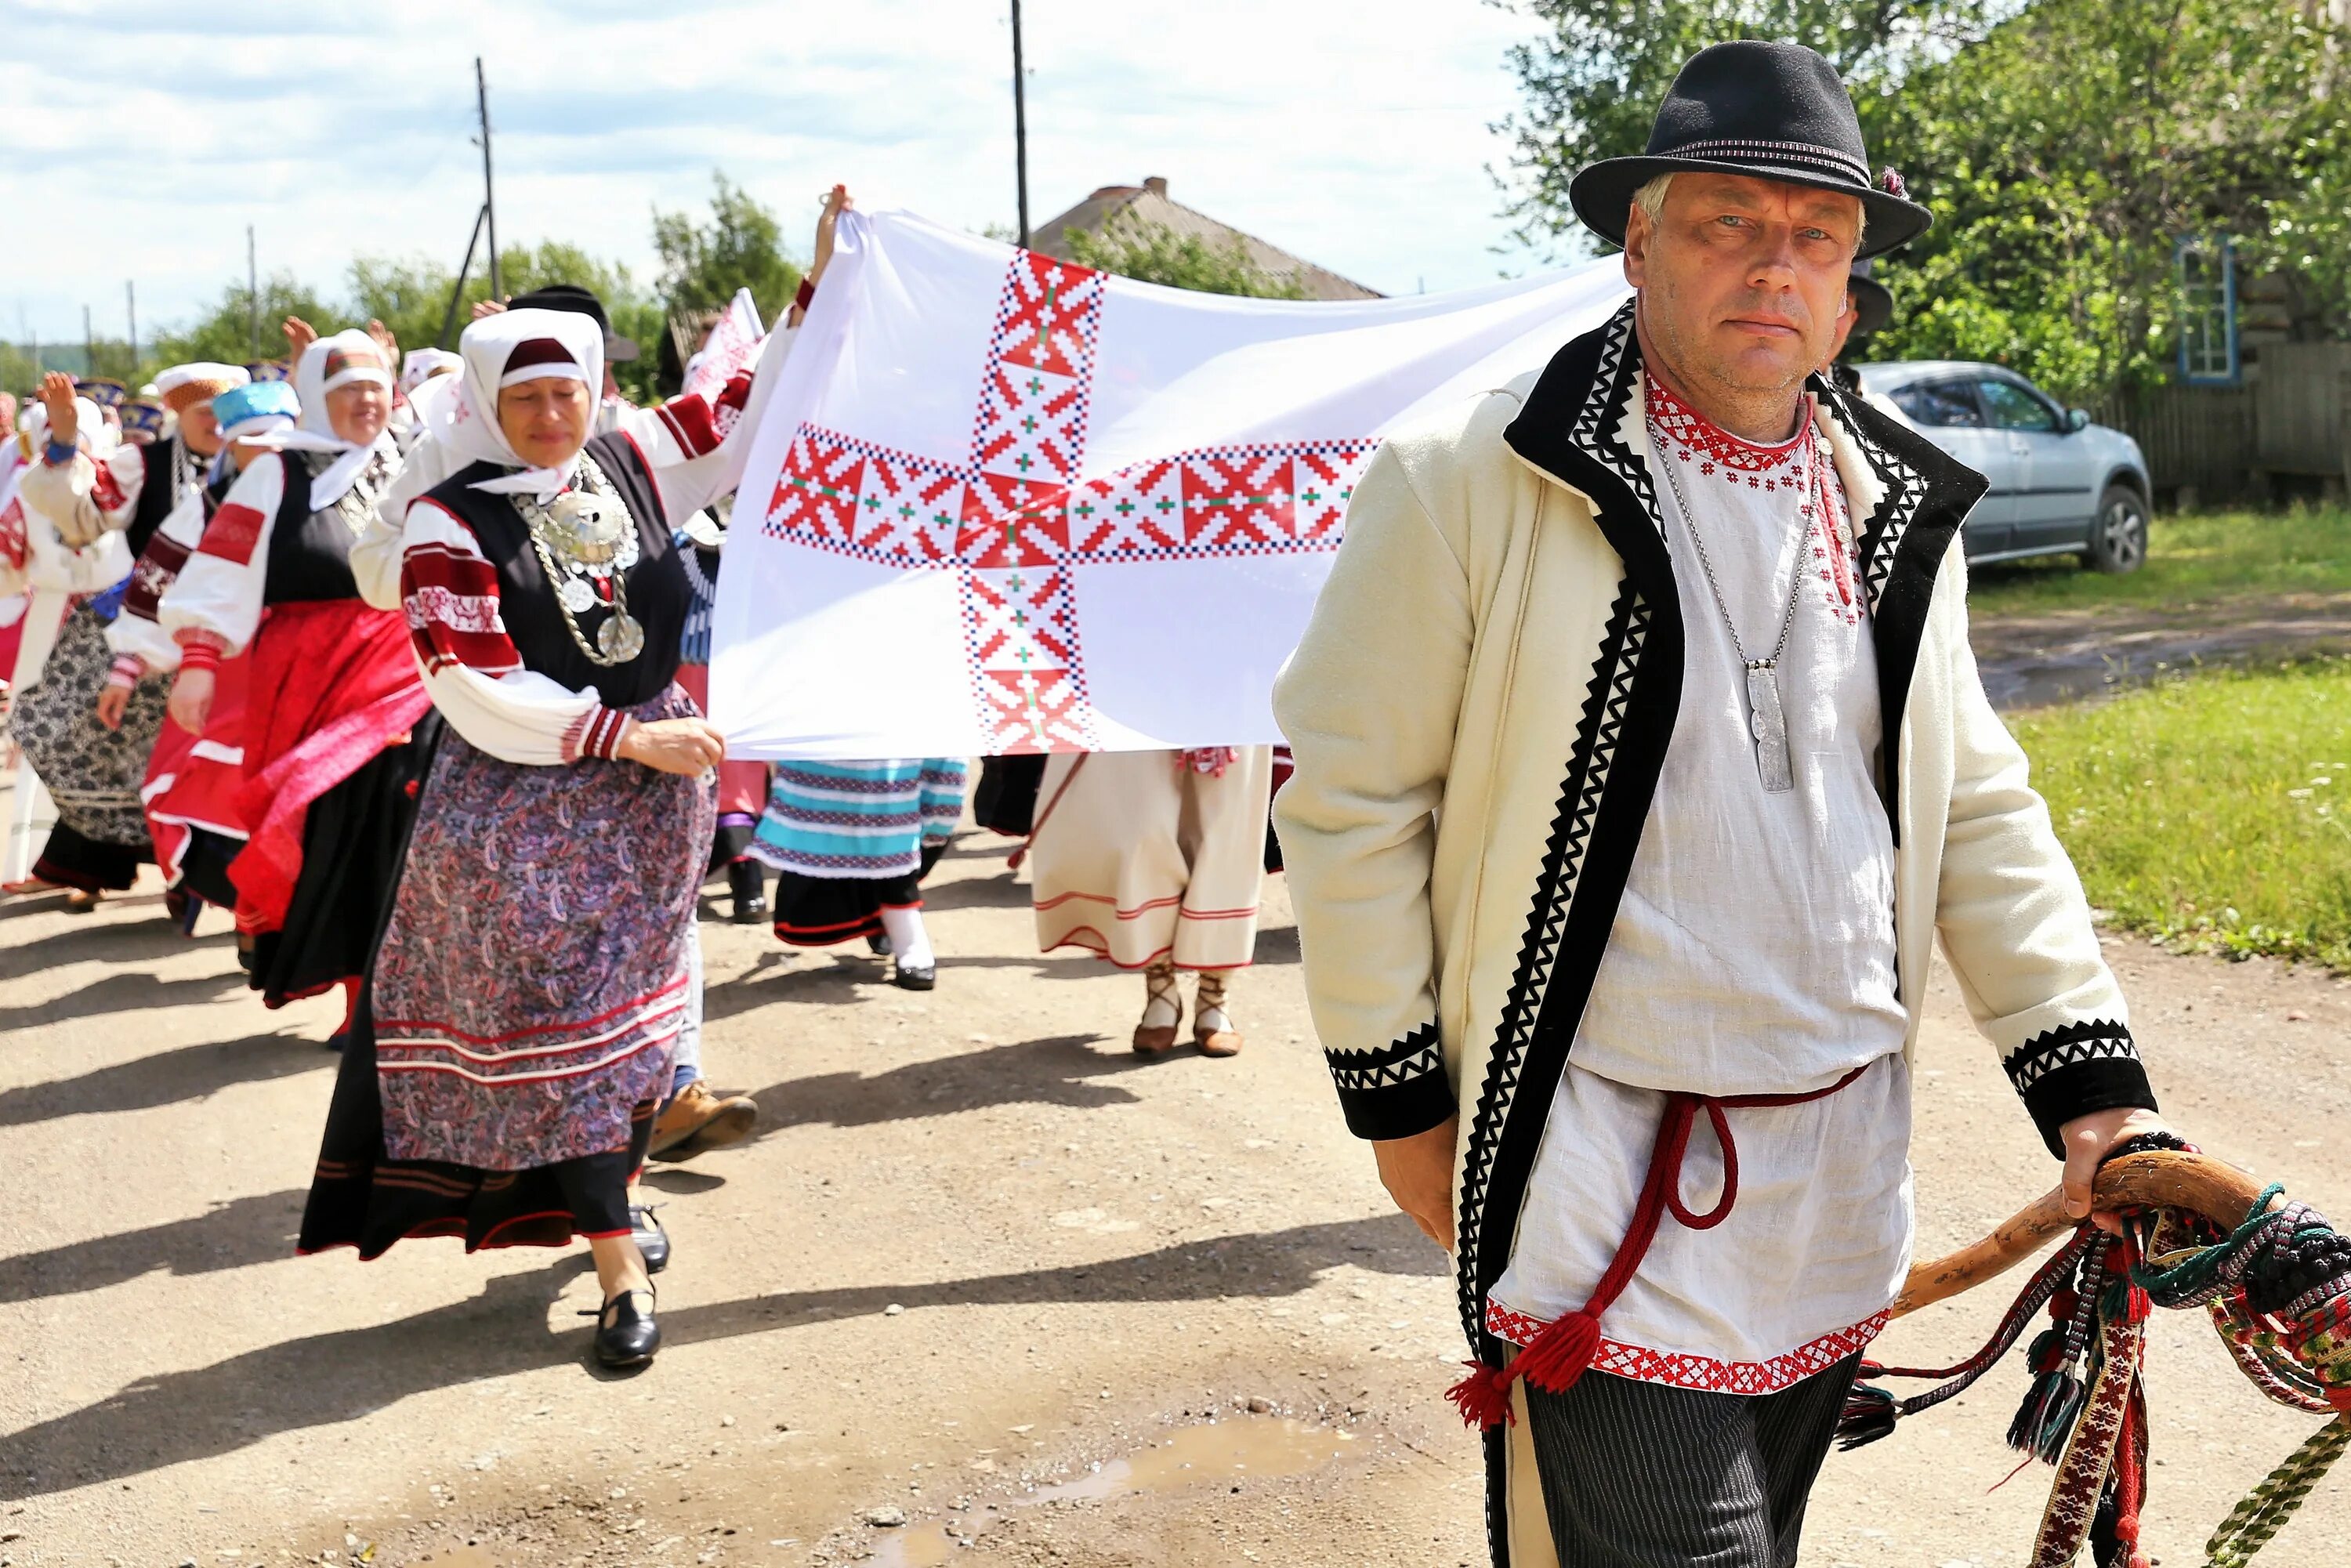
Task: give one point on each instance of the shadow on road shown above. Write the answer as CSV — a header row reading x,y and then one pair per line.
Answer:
x,y
353,1372
110,943
258,1229
1062,1070
120,993
189,1072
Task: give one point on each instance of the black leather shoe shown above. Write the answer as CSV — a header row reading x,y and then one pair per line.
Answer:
x,y
747,880
878,944
907,978
652,1241
627,1335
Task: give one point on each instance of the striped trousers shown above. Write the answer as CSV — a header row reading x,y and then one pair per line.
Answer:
x,y
1644,1475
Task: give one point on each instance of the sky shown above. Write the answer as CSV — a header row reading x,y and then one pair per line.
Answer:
x,y
1356,134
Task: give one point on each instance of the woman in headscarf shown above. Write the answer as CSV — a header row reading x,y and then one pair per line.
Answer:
x,y
336,726
68,536
538,969
194,780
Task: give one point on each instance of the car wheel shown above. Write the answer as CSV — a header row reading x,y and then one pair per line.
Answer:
x,y
2119,541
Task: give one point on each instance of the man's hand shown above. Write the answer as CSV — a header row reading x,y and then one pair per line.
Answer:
x,y
2086,1140
299,335
65,420
112,701
1418,1174
673,745
192,700
485,308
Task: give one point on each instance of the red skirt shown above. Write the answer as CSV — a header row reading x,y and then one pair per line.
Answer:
x,y
333,684
194,780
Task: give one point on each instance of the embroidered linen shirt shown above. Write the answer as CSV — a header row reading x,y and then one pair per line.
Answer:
x,y
1752,953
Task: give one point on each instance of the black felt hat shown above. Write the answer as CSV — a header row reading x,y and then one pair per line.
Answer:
x,y
1872,302
1770,111
580,302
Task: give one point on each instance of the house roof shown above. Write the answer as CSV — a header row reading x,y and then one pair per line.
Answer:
x,y
1148,203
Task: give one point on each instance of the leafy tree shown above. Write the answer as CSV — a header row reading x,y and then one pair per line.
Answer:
x,y
224,331
742,246
2056,211
2057,214
1154,253
1591,85
410,296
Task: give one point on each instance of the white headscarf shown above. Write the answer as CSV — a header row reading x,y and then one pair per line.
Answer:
x,y
470,431
312,384
421,365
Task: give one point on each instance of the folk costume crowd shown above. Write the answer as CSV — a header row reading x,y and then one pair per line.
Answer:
x,y
1640,760
401,663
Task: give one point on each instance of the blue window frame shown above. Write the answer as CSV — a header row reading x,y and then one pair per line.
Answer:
x,y
2207,269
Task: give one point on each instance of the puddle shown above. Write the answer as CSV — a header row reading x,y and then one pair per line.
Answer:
x,y
1212,1452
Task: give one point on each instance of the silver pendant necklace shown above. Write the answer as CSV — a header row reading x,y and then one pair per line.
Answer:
x,y
586,542
1767,719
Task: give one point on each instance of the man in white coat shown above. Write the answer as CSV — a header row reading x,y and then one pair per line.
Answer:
x,y
1640,760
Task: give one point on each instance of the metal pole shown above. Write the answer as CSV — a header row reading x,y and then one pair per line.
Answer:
x,y
131,301
252,297
489,195
457,290
88,348
1020,123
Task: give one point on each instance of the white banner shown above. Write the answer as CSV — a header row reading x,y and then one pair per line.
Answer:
x,y
1002,503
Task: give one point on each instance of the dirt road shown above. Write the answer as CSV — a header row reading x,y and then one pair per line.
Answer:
x,y
2032,661
982,1275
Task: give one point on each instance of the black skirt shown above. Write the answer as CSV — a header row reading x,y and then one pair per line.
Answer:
x,y
826,911
75,860
353,840
360,1199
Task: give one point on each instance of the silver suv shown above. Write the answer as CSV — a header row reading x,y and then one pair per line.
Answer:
x,y
2060,485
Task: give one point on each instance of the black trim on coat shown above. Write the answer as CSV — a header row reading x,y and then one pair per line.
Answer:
x,y
1395,1092
1903,541
2062,1073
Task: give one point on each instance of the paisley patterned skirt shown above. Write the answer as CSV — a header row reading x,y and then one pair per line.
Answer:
x,y
92,772
517,1026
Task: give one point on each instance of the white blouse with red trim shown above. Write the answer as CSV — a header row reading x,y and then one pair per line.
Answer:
x,y
87,500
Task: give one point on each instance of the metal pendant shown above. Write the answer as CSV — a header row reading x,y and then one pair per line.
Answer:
x,y
1767,722
583,530
620,638
576,595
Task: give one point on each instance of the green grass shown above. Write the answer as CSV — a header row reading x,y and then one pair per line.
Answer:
x,y
2191,559
2212,811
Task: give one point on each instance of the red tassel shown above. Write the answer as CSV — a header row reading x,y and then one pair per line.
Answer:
x,y
1560,1354
1483,1397
1020,853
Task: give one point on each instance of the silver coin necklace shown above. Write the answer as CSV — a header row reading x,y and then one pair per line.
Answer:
x,y
1767,717
586,542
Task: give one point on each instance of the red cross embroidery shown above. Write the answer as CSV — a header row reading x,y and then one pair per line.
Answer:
x,y
1013,519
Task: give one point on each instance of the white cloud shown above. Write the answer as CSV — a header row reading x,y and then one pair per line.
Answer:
x,y
1355,135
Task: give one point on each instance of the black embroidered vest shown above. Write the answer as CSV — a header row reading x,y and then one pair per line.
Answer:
x,y
658,593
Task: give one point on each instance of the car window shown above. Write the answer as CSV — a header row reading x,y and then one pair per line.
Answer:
x,y
1941,403
2012,408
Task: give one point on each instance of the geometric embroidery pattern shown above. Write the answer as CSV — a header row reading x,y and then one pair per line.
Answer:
x,y
2095,1041
1606,704
1700,1372
1014,519
1417,1055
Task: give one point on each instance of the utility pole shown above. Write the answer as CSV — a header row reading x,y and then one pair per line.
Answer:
x,y
1020,123
252,297
88,346
489,194
130,303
